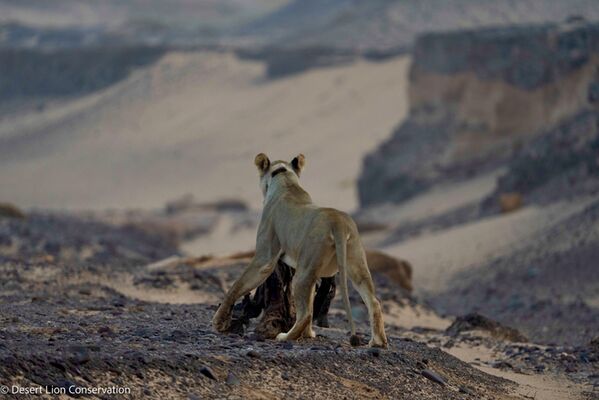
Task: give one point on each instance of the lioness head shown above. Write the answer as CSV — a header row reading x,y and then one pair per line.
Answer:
x,y
268,170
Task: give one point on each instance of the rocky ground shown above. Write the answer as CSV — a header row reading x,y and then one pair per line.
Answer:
x,y
494,199
85,305
547,289
489,189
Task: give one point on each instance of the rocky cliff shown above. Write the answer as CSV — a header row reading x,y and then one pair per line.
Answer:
x,y
478,98
38,73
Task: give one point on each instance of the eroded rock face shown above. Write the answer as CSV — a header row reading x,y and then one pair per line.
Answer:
x,y
567,153
526,57
477,97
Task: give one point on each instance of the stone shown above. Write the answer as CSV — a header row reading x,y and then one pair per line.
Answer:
x,y
466,390
433,376
207,372
232,380
509,202
475,321
253,354
374,351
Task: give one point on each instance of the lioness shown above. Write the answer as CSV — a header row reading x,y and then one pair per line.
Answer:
x,y
316,241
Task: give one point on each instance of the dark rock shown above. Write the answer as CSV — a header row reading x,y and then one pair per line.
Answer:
x,y
566,147
388,174
143,332
177,335
52,247
374,351
287,345
232,380
550,52
571,369
207,372
540,367
466,390
256,337
105,331
253,354
79,354
502,365
593,93
90,68
449,344
433,376
5,240
58,364
356,340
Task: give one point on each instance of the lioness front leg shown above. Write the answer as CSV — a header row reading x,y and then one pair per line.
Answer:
x,y
253,276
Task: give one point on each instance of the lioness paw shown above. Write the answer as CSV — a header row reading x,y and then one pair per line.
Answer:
x,y
309,334
377,343
281,337
221,323
221,326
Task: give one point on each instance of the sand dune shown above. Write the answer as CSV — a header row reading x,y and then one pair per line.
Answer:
x,y
438,256
194,121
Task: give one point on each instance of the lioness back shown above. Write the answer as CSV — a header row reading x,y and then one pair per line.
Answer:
x,y
339,218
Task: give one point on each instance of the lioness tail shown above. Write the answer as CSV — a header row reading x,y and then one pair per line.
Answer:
x,y
341,237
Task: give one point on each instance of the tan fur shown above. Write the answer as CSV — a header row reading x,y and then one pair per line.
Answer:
x,y
321,241
399,271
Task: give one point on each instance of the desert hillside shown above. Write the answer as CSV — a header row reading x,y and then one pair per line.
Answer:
x,y
89,304
388,26
191,122
500,213
465,148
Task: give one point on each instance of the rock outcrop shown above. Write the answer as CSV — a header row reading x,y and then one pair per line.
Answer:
x,y
478,97
40,73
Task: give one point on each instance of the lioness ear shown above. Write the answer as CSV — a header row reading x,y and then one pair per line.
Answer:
x,y
262,162
298,163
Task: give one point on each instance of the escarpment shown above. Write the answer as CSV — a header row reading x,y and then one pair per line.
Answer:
x,y
477,97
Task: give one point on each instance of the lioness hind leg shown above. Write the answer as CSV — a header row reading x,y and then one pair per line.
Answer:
x,y
308,331
360,276
303,294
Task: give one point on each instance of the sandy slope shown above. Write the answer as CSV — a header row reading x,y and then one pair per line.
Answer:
x,y
440,255
536,386
193,123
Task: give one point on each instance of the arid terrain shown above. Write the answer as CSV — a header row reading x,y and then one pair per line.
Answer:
x,y
87,307
168,130
460,143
